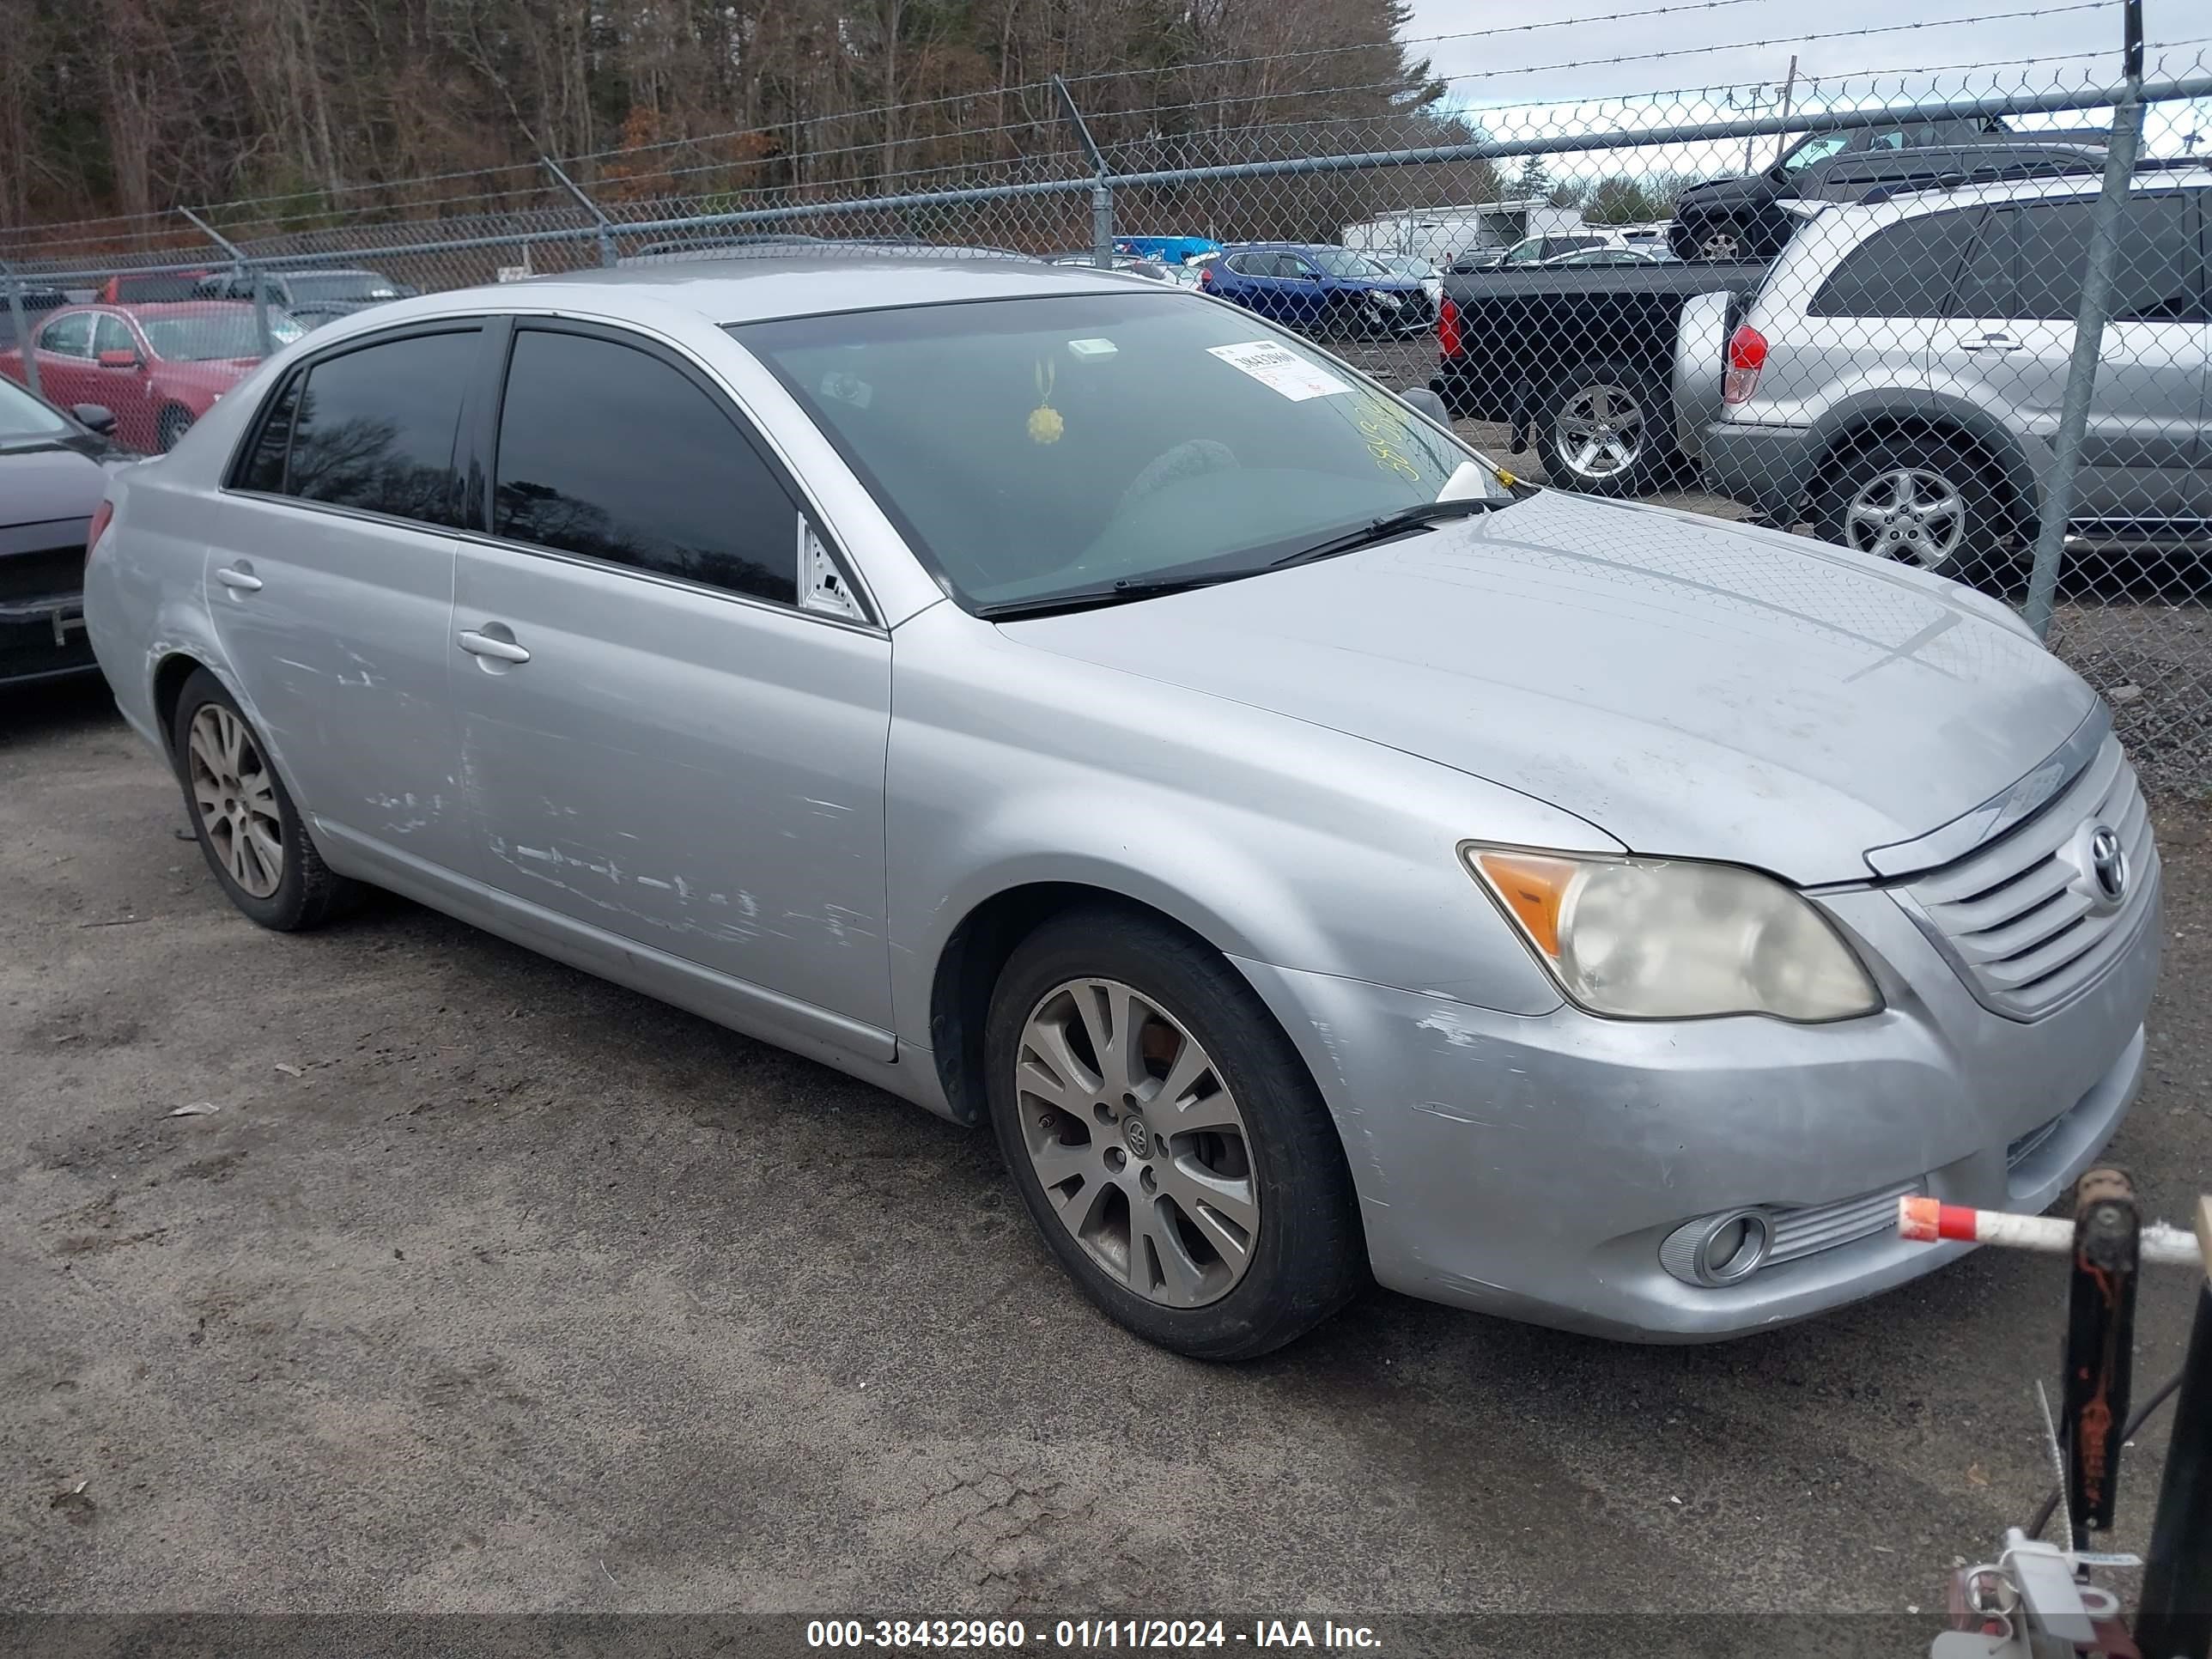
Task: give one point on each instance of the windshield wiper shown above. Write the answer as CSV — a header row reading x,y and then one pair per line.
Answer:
x,y
1130,588
1390,525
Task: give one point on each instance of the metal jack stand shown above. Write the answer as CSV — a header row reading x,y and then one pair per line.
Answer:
x,y
2035,1601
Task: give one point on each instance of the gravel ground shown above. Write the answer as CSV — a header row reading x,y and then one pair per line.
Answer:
x,y
493,1286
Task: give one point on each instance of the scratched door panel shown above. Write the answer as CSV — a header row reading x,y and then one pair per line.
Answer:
x,y
695,772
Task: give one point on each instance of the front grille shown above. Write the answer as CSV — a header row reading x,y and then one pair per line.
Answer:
x,y
2020,918
47,571
1823,1226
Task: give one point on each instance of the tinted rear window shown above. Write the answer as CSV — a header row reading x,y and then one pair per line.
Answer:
x,y
374,428
2030,262
1908,270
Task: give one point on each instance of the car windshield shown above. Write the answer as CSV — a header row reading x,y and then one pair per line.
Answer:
x,y
1029,448
1337,263
341,285
22,416
205,339
1818,148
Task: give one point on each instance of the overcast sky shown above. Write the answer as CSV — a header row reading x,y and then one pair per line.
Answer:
x,y
1506,75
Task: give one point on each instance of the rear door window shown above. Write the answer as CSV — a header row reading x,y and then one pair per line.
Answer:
x,y
1907,270
661,478
374,428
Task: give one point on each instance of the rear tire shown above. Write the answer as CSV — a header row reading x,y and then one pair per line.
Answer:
x,y
1132,1172
175,421
1921,501
243,817
1606,429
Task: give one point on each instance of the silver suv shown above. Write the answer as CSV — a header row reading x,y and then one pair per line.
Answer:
x,y
1897,377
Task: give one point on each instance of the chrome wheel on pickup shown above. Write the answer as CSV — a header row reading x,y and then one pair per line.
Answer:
x,y
1605,430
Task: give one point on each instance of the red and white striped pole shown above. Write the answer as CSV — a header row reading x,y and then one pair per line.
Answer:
x,y
1928,1220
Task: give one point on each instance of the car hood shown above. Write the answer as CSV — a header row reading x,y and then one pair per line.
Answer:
x,y
49,479
1692,688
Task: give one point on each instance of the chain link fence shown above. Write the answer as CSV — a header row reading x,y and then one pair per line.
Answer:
x,y
1959,317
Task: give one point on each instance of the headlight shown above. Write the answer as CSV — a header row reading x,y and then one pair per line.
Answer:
x,y
1388,301
1664,939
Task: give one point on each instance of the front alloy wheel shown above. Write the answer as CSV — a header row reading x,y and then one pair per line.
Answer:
x,y
1138,1143
1166,1138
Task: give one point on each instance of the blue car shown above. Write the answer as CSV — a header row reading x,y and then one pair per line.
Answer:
x,y
1167,250
1319,290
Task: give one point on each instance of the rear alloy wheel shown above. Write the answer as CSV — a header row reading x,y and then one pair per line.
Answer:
x,y
1167,1140
1604,431
174,423
1918,501
243,817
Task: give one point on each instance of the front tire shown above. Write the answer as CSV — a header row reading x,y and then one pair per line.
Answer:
x,y
1167,1140
249,831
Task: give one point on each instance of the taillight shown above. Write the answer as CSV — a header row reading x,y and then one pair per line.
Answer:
x,y
1747,356
1447,340
1206,275
100,515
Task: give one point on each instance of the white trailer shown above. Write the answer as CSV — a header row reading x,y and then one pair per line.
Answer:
x,y
1439,234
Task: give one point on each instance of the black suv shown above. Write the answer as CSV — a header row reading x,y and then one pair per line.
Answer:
x,y
1744,219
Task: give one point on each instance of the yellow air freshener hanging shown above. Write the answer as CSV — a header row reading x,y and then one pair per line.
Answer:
x,y
1045,424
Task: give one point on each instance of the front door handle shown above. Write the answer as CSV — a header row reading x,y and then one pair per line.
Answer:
x,y
240,577
487,645
1990,342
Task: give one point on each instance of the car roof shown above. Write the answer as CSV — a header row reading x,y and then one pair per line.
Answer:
x,y
757,289
1971,192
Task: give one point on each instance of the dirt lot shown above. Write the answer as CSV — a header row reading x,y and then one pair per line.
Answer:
x,y
492,1286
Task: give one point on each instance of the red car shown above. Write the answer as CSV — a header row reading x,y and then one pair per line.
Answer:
x,y
157,367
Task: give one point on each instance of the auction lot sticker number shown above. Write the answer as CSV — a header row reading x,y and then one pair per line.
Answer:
x,y
1084,1634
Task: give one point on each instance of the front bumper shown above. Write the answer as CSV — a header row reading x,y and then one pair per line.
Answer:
x,y
1531,1166
42,637
1765,467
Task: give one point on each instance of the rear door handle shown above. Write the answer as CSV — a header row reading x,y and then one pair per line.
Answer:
x,y
1988,342
486,645
241,577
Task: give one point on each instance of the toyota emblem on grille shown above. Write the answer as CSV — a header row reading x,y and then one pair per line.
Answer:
x,y
2108,865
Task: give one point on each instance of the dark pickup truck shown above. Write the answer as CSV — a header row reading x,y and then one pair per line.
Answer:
x,y
1582,359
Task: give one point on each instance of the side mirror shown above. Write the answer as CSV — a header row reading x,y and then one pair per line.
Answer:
x,y
94,418
1424,401
119,360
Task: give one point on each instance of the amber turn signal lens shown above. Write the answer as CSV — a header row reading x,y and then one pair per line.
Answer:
x,y
1534,889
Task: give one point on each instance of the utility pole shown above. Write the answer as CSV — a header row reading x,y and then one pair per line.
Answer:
x,y
1788,86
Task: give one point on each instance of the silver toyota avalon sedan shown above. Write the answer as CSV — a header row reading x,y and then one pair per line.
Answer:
x,y
1075,704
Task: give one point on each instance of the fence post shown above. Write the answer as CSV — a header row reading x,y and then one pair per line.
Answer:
x,y
2057,503
1102,191
607,254
22,333
239,259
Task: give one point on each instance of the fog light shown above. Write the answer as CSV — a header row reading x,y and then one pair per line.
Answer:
x,y
1717,1249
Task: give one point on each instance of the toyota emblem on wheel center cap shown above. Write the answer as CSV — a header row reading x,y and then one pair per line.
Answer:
x,y
2108,865
1139,1137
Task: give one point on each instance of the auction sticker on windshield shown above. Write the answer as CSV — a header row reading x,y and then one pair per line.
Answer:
x,y
1283,369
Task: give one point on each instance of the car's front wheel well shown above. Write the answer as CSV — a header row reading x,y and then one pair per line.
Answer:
x,y
1846,446
968,970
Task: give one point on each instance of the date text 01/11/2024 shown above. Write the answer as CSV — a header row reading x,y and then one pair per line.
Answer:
x,y
1091,1635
